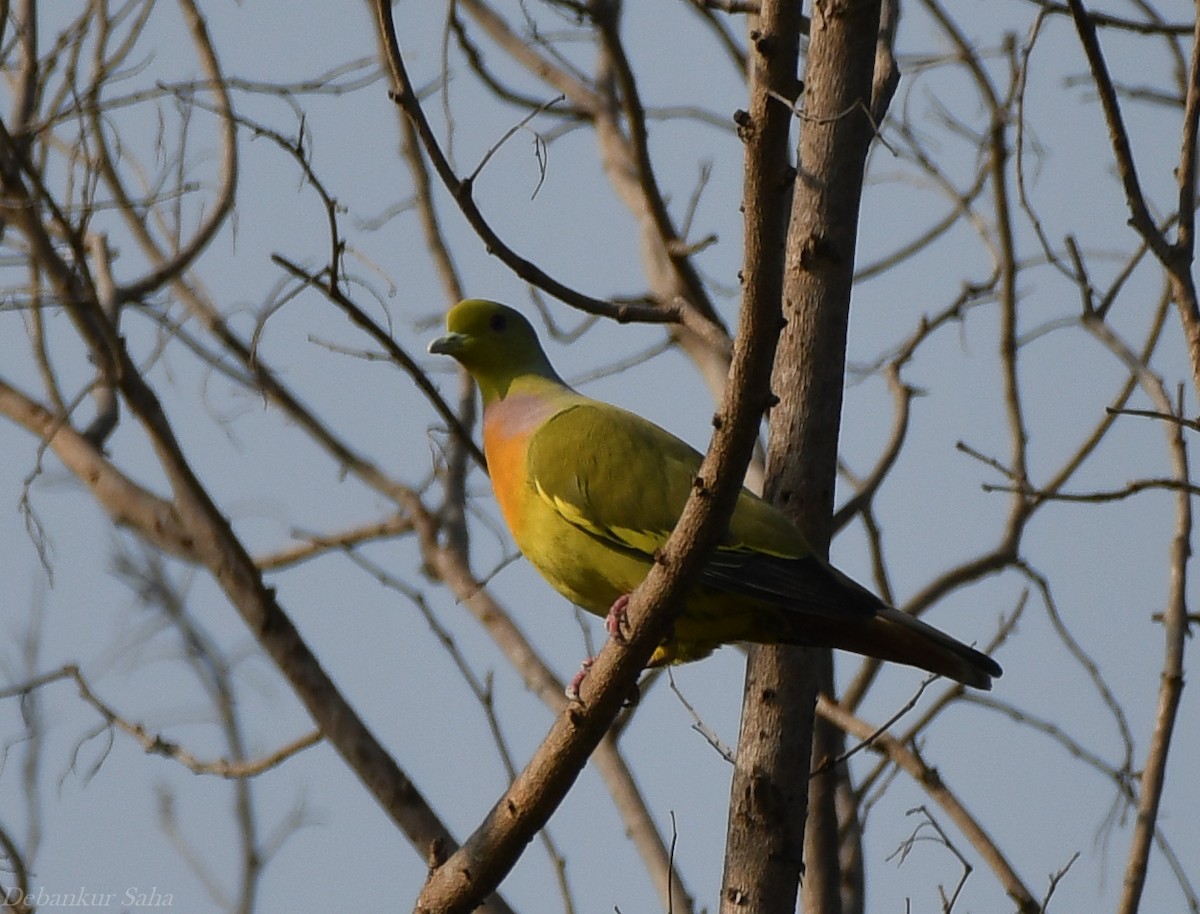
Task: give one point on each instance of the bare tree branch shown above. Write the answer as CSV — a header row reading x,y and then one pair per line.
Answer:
x,y
910,761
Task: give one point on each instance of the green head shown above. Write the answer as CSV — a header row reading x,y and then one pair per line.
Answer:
x,y
495,343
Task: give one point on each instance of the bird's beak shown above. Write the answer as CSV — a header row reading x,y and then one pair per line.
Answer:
x,y
449,344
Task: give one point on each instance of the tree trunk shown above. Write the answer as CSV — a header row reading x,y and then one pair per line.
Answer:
x,y
768,804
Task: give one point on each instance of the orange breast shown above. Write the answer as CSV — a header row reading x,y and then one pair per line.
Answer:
x,y
506,466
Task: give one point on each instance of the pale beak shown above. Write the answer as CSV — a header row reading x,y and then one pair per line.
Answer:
x,y
448,344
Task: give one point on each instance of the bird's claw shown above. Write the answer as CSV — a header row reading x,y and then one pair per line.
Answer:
x,y
614,622
572,689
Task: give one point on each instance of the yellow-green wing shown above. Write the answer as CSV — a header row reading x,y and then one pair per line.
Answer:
x,y
624,480
613,474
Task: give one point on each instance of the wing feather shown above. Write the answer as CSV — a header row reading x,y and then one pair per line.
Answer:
x,y
624,481
807,584
613,474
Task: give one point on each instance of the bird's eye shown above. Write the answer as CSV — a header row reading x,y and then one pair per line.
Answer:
x,y
499,322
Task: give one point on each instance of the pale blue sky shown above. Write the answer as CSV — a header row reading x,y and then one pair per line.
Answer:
x,y
1107,564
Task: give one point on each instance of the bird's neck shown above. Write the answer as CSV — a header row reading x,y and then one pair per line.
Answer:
x,y
509,421
499,388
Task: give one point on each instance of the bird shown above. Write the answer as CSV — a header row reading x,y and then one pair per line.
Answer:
x,y
590,491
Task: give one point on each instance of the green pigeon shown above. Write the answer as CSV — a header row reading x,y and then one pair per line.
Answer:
x,y
590,491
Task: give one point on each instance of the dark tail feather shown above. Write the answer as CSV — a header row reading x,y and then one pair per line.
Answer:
x,y
905,639
817,605
900,638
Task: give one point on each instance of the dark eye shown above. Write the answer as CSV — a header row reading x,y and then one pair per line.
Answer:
x,y
499,322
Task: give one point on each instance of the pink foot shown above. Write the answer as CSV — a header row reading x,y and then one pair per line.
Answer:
x,y
572,689
615,620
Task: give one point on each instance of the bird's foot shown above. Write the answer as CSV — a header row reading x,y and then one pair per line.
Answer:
x,y
614,622
572,689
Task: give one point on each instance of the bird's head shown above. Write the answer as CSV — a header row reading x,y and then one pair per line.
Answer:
x,y
495,343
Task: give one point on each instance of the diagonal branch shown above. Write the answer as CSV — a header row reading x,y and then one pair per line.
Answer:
x,y
127,502
166,270
451,566
1140,218
455,886
461,190
908,759
394,349
764,841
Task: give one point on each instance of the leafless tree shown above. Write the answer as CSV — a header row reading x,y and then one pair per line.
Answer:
x,y
205,270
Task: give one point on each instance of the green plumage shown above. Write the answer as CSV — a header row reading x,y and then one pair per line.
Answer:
x,y
623,467
590,492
